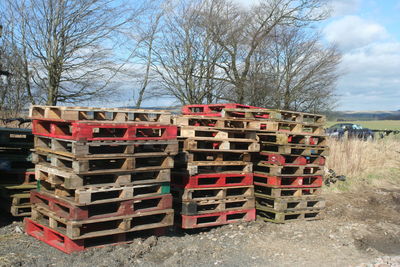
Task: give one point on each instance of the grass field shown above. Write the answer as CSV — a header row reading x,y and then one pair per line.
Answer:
x,y
374,125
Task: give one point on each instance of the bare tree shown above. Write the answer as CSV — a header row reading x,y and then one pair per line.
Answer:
x,y
185,56
65,45
294,71
240,32
13,96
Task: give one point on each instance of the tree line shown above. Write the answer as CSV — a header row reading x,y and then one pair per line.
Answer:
x,y
269,54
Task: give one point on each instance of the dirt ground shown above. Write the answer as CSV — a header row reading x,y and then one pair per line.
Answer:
x,y
360,229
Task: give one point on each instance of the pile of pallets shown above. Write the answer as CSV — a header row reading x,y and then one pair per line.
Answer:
x,y
103,175
212,182
288,171
16,171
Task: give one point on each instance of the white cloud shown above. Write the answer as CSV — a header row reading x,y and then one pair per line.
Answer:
x,y
371,79
344,7
352,32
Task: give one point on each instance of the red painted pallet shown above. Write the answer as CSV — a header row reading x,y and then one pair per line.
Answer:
x,y
67,245
71,210
211,180
211,109
96,131
287,160
217,218
288,181
103,227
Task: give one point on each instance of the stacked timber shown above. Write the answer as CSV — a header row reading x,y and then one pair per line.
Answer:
x,y
288,171
16,171
212,183
103,175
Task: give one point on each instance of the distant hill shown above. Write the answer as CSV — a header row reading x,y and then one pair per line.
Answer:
x,y
363,115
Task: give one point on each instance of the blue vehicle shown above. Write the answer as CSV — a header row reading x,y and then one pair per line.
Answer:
x,y
351,130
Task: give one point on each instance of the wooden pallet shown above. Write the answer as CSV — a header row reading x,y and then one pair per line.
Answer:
x,y
18,204
98,114
67,245
101,131
254,114
286,192
183,180
93,166
71,210
207,144
70,180
206,194
8,190
270,215
219,123
292,170
105,193
288,181
287,160
211,109
215,219
214,205
285,138
289,203
105,226
210,132
105,149
293,149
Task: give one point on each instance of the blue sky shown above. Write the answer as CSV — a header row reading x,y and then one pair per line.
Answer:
x,y
368,34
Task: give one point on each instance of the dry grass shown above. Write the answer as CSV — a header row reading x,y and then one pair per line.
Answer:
x,y
365,163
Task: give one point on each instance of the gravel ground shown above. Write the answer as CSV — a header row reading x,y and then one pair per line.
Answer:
x,y
360,229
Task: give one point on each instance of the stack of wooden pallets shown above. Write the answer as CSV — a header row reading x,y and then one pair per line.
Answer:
x,y
103,175
288,171
16,171
212,181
